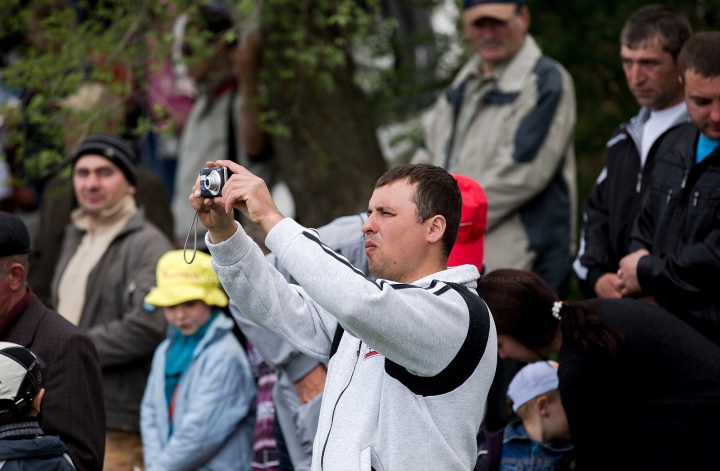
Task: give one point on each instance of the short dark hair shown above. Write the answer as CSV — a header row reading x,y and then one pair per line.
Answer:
x,y
668,24
700,54
437,192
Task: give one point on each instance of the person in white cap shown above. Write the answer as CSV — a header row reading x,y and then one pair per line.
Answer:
x,y
23,446
507,121
540,438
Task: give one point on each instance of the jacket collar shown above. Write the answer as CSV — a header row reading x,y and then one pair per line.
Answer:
x,y
466,275
25,325
134,223
218,327
685,149
516,431
20,427
123,209
16,310
635,126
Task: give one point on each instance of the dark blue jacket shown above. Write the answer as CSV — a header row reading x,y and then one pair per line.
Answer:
x,y
513,450
43,453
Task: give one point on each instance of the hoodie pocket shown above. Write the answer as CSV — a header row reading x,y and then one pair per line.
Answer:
x,y
369,460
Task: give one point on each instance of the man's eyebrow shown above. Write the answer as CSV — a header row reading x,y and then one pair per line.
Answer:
x,y
95,169
382,208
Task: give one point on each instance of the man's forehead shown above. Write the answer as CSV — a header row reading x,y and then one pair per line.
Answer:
x,y
651,46
94,161
397,193
697,84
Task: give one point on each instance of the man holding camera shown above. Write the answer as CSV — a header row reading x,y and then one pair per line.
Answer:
x,y
106,267
410,355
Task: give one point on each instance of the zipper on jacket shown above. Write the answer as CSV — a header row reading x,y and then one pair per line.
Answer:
x,y
638,187
685,177
669,196
695,199
332,417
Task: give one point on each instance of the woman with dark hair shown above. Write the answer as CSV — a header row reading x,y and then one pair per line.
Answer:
x,y
641,389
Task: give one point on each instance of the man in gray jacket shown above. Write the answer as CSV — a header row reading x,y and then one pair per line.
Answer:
x,y
507,121
106,267
410,355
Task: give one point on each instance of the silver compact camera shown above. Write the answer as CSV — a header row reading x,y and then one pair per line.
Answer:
x,y
212,181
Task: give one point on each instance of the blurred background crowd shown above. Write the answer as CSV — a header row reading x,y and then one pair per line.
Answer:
x,y
536,101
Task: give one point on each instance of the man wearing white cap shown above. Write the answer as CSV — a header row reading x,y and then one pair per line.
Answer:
x,y
507,121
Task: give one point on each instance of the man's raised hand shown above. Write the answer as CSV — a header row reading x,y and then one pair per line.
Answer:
x,y
243,191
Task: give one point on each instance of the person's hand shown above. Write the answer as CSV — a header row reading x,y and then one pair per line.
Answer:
x,y
629,283
311,384
246,60
249,194
607,286
212,213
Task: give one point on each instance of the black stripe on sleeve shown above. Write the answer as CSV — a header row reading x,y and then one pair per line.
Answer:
x,y
339,331
339,258
464,363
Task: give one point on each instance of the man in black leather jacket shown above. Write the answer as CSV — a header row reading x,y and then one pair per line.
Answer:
x,y
676,240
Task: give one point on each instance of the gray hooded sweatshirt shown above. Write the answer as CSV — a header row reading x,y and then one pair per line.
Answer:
x,y
409,365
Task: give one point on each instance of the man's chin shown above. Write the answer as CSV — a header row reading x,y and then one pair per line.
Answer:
x,y
93,209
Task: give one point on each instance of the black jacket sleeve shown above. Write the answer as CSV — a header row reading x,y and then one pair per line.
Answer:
x,y
691,271
593,258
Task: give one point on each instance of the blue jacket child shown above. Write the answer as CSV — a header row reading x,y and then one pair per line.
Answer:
x,y
540,440
23,446
198,410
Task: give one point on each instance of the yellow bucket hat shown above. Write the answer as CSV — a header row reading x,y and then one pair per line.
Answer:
x,y
178,282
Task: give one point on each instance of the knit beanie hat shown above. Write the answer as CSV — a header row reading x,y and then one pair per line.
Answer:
x,y
114,149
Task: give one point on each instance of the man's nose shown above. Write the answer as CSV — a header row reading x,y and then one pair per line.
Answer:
x,y
715,113
92,180
635,75
368,225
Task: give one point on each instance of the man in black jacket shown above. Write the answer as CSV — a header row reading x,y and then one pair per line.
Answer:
x,y
650,42
676,239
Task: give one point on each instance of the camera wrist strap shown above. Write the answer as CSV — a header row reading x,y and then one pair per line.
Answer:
x,y
193,225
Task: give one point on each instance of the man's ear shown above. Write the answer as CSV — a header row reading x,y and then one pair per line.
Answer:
x,y
132,190
525,15
37,400
436,228
16,272
541,404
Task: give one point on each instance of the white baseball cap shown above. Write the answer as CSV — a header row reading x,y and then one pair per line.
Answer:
x,y
20,379
531,381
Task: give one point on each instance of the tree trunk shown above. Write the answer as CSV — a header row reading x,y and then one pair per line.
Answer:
x,y
332,158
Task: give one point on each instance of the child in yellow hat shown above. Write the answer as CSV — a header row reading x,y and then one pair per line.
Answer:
x,y
198,410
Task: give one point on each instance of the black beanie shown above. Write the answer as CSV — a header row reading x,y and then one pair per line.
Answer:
x,y
14,237
112,148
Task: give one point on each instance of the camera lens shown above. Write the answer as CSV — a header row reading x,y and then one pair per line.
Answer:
x,y
213,182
